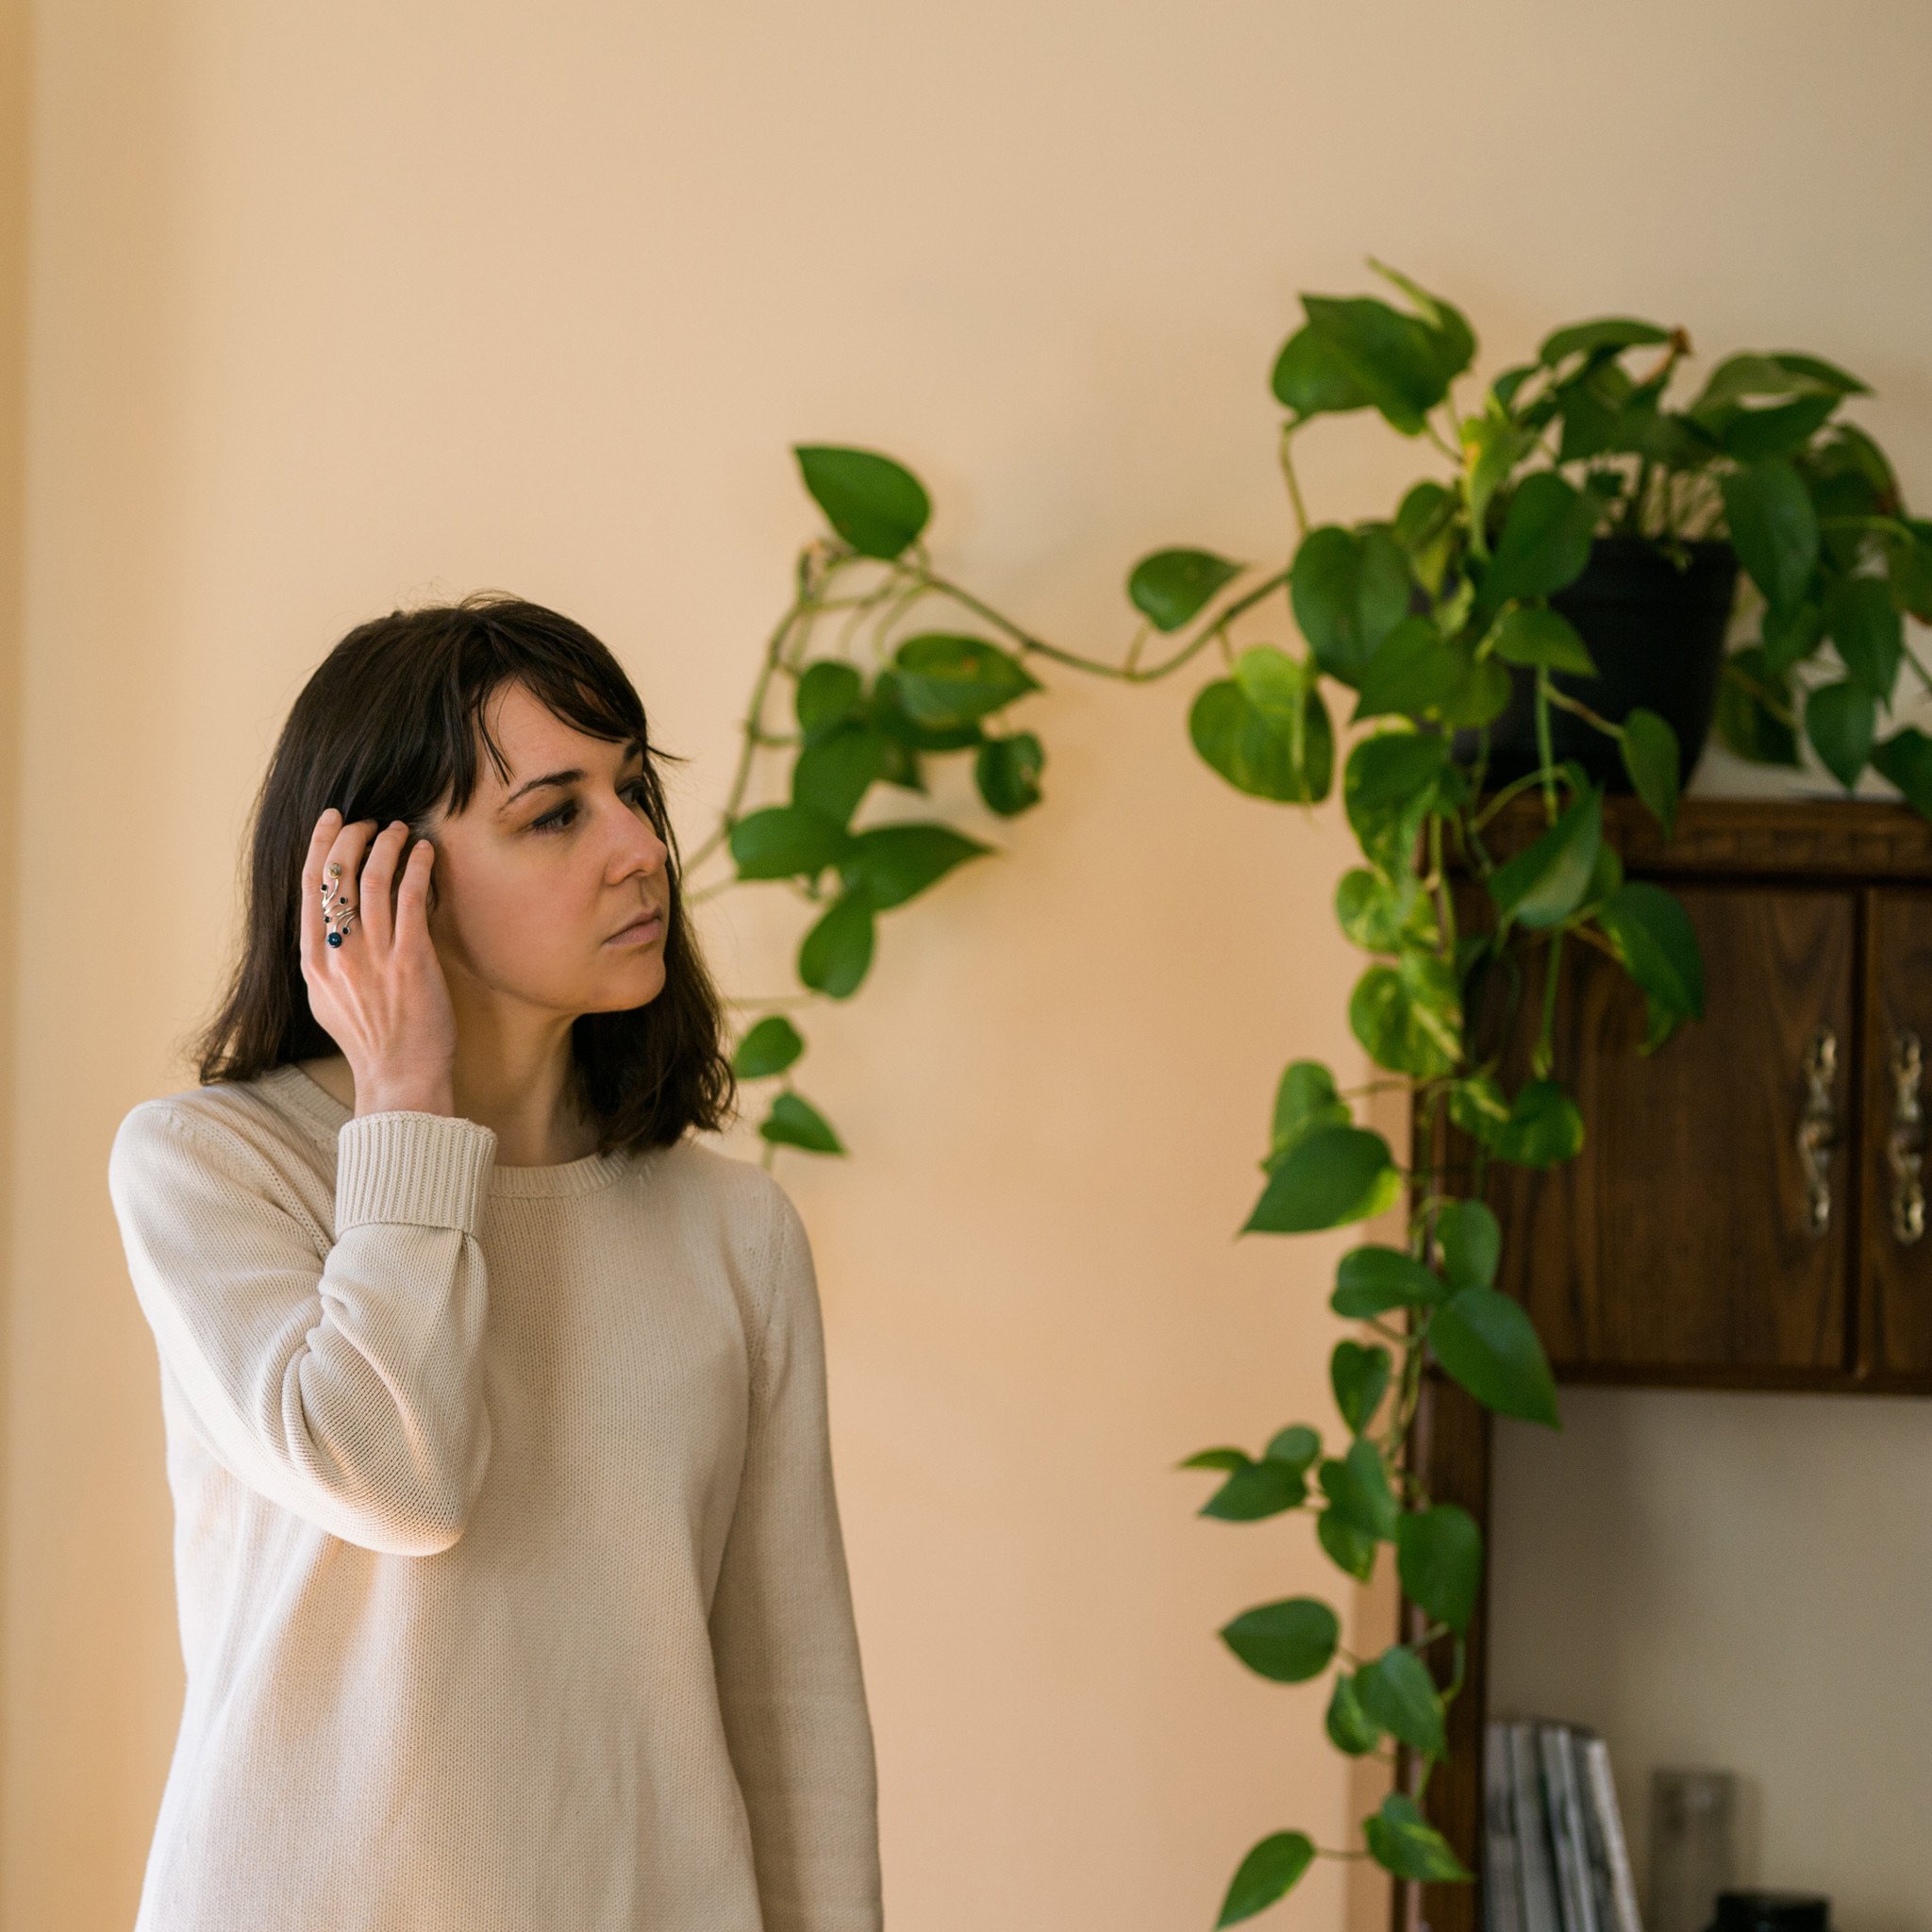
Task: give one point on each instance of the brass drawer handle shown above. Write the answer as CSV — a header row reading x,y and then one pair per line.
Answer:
x,y
1818,1127
1905,1149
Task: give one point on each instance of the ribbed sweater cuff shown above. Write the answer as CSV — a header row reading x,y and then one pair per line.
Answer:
x,y
431,1169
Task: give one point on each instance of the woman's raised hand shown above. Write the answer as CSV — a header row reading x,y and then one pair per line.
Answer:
x,y
380,995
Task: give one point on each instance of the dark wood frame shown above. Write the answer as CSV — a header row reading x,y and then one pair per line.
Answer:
x,y
1822,842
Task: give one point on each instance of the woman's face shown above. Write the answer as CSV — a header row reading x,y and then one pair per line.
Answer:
x,y
538,874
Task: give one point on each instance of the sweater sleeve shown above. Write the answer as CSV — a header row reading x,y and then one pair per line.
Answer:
x,y
783,1636
345,1386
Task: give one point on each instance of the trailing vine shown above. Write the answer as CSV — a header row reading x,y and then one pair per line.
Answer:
x,y
1431,618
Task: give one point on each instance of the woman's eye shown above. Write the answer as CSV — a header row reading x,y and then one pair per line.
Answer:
x,y
560,820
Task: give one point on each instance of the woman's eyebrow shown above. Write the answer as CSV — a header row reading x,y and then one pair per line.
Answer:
x,y
574,774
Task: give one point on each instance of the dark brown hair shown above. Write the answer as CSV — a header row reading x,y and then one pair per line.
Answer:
x,y
388,728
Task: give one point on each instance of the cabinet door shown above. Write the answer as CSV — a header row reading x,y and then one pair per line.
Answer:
x,y
1683,1242
1895,1245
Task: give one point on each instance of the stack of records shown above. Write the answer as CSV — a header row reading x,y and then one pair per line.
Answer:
x,y
1553,1856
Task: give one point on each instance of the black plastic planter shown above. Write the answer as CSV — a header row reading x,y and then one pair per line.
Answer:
x,y
1656,635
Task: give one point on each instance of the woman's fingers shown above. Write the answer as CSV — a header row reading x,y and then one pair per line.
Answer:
x,y
345,850
412,894
380,995
378,883
309,911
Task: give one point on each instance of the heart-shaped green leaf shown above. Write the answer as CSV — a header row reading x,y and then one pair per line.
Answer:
x,y
1350,588
795,1123
1389,785
786,842
1311,380
829,691
1774,528
1289,1641
1409,1020
1373,1281
945,679
1173,587
1488,1344
1256,1489
767,1048
1864,622
1546,541
1533,634
1349,1549
1544,1127
1651,757
836,953
1384,915
1357,1484
1335,1175
1305,1099
1610,333
1905,760
1260,743
1439,1555
1401,1841
1471,1241
1397,1692
877,506
1349,1727
1297,1446
1006,771
1652,936
1271,1870
893,863
1359,1377
1398,361
834,771
1545,883
1414,672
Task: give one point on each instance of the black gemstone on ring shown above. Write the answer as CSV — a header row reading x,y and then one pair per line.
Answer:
x,y
335,939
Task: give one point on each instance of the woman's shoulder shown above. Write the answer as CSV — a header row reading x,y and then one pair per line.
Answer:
x,y
744,1201
238,1125
704,1170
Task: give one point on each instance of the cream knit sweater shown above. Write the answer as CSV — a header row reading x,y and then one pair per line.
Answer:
x,y
512,1585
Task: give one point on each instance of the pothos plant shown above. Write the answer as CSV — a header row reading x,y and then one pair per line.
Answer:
x,y
1419,616
1758,457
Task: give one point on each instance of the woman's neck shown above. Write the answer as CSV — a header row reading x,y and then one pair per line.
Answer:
x,y
529,1132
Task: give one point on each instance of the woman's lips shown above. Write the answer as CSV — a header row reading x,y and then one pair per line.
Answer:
x,y
641,933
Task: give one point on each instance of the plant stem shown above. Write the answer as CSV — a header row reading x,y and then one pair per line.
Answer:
x,y
1583,711
1295,488
1541,1059
1542,742
1770,700
1128,673
773,647
1504,795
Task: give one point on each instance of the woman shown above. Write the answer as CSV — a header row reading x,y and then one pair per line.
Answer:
x,y
513,1591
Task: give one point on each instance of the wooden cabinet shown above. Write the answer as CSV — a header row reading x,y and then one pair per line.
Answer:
x,y
1692,1238
1896,1247
1748,1208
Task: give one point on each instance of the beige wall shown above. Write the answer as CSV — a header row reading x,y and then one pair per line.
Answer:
x,y
13,212
334,306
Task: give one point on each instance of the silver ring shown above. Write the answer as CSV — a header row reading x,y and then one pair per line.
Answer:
x,y
337,914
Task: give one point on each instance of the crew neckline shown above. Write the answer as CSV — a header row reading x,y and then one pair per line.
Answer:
x,y
320,1111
